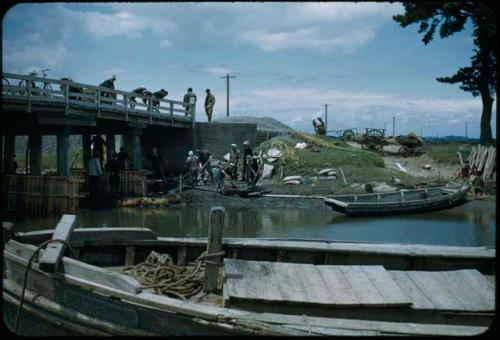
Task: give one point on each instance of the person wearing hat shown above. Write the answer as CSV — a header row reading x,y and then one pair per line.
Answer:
x,y
189,100
156,97
110,84
247,151
209,104
234,157
140,90
192,166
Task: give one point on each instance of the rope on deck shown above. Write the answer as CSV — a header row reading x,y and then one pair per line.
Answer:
x,y
159,272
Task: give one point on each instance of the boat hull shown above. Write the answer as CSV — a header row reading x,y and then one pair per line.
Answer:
x,y
396,208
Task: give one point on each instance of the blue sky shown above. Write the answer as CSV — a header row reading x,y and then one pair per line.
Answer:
x,y
288,58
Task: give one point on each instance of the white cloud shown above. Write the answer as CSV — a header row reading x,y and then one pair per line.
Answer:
x,y
104,25
219,70
165,43
294,106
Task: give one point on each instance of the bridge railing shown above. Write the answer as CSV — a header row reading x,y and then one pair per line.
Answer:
x,y
77,95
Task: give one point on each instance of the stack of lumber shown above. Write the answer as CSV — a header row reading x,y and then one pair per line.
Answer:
x,y
484,159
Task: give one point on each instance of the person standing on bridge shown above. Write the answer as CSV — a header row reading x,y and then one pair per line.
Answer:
x,y
110,84
140,90
156,97
209,104
189,101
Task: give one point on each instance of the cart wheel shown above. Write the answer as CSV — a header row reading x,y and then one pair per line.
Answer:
x,y
404,151
348,135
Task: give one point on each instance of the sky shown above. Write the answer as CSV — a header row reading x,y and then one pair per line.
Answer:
x,y
289,59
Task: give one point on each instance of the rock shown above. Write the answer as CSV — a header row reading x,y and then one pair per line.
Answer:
x,y
427,167
273,153
292,178
395,180
267,171
293,182
401,168
325,172
332,173
383,187
301,146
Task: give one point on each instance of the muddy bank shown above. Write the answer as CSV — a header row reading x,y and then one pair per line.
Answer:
x,y
204,198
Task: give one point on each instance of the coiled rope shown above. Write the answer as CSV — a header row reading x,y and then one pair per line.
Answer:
x,y
28,267
159,272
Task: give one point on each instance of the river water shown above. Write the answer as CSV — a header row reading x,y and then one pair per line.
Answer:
x,y
471,224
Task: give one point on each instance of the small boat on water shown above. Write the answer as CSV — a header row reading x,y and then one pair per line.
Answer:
x,y
399,202
265,286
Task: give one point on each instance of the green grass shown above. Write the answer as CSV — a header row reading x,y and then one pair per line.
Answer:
x,y
447,153
49,161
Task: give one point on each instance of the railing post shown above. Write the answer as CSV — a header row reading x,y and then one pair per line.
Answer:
x,y
171,113
28,91
125,102
66,98
98,102
193,114
150,109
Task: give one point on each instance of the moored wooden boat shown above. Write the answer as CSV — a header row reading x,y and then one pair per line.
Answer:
x,y
89,295
399,202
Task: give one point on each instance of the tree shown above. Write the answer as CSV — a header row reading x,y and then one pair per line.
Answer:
x,y
480,77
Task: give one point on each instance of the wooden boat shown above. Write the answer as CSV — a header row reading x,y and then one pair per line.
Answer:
x,y
399,202
267,287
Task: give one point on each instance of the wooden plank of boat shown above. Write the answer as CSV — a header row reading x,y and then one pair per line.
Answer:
x,y
49,260
381,327
464,290
305,283
81,236
21,253
418,298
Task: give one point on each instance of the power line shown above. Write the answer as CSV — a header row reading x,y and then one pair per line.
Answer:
x,y
227,76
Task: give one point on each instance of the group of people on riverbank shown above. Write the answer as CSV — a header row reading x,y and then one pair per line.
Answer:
x,y
199,168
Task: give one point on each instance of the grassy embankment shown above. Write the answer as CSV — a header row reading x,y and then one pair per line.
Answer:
x,y
447,153
359,166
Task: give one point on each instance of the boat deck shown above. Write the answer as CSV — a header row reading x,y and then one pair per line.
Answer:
x,y
329,289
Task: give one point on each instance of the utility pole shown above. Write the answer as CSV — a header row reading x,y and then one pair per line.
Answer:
x,y
326,118
466,130
227,76
393,126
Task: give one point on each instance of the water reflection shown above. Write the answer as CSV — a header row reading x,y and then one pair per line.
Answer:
x,y
472,224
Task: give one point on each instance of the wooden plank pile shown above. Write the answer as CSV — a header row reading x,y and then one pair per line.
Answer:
x,y
484,159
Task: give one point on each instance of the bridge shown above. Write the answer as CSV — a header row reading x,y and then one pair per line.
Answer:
x,y
36,106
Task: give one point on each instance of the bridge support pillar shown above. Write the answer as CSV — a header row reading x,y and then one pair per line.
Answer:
x,y
36,154
9,149
136,152
63,152
110,145
86,150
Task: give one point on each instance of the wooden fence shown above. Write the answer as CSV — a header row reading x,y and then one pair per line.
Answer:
x,y
484,159
40,195
132,182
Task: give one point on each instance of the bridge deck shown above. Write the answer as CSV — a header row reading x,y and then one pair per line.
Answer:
x,y
61,98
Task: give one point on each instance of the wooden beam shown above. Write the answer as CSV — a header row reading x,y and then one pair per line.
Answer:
x,y
214,245
55,251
